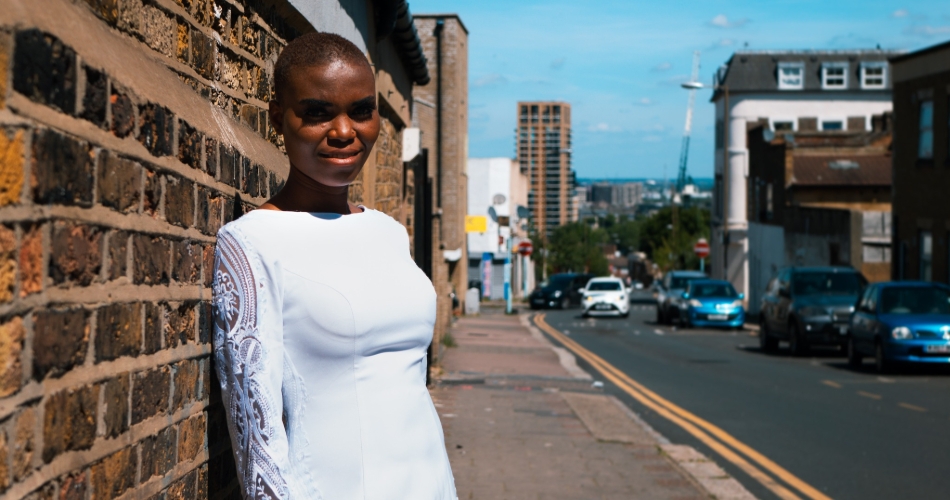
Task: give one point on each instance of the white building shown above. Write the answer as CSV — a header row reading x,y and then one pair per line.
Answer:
x,y
498,185
790,90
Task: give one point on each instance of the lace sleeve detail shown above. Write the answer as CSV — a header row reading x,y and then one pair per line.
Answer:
x,y
248,359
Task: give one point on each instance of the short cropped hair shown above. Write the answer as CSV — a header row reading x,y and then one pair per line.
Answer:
x,y
314,49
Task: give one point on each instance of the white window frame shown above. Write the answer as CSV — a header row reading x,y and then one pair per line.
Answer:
x,y
874,64
801,75
822,120
844,75
794,122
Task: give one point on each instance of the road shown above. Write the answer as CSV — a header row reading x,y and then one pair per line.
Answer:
x,y
846,434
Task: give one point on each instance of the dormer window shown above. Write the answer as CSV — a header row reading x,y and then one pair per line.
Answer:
x,y
834,76
873,75
791,75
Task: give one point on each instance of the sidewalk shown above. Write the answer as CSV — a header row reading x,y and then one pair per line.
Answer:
x,y
521,421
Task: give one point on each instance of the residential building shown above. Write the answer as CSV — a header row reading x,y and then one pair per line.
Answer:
x,y
921,170
792,91
131,132
544,152
441,114
498,186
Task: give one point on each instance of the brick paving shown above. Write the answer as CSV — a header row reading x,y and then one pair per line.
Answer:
x,y
511,435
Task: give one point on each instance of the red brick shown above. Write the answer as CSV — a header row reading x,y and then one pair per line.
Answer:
x,y
45,70
152,200
191,438
155,129
205,318
11,166
118,330
11,350
96,97
183,51
209,208
190,145
179,201
276,183
203,54
108,10
150,392
24,443
208,265
116,410
114,475
151,259
75,253
69,421
120,183
211,156
158,453
4,466
31,261
180,323
186,383
123,113
183,489
74,486
118,254
154,327
60,339
62,170
186,261
229,166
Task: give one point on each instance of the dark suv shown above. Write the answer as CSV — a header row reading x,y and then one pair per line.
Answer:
x,y
809,306
560,290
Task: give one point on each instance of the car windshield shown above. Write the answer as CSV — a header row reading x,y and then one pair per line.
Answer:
x,y
600,286
915,300
682,281
557,281
826,283
713,290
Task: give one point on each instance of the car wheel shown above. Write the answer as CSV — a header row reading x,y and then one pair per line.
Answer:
x,y
855,360
767,342
626,314
881,362
565,303
796,344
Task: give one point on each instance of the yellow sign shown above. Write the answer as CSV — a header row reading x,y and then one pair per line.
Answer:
x,y
476,223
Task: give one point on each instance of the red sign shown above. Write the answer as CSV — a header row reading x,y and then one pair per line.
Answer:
x,y
525,248
701,248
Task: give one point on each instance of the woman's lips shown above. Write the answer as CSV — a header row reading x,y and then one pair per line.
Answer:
x,y
341,157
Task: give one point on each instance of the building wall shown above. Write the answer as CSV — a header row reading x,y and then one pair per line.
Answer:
x,y
450,196
131,131
919,184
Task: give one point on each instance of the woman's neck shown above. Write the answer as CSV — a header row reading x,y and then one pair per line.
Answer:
x,y
303,194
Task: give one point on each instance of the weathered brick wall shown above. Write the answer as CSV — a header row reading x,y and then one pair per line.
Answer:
x,y
129,133
389,170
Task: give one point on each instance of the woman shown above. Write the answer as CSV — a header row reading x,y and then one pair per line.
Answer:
x,y
322,318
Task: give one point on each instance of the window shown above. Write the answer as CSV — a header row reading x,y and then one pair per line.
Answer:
x,y
791,75
834,76
873,75
832,125
925,137
783,126
926,256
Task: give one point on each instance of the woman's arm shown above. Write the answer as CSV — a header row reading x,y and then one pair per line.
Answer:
x,y
249,352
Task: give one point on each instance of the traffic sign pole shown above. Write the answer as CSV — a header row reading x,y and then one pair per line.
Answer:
x,y
701,249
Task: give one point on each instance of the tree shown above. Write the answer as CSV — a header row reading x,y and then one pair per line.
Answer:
x,y
671,251
576,247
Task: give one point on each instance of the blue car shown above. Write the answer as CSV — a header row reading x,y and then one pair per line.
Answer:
x,y
709,303
901,322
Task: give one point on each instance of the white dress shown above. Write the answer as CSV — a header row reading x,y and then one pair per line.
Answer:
x,y
322,323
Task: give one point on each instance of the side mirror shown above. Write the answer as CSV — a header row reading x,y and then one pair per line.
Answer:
x,y
741,296
685,295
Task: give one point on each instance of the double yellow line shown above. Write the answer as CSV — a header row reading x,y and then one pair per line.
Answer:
x,y
752,463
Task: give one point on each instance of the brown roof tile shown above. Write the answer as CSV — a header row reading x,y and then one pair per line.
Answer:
x,y
842,170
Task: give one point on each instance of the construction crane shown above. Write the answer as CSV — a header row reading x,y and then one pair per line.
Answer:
x,y
692,85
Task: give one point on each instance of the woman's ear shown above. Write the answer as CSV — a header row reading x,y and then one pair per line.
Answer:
x,y
276,113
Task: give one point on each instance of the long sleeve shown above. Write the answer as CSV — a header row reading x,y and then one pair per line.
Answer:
x,y
249,357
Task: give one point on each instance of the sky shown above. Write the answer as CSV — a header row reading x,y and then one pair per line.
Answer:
x,y
619,63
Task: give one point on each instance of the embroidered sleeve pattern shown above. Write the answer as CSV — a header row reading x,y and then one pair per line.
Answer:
x,y
246,358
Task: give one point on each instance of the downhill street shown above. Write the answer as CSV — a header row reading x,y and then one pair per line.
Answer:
x,y
808,427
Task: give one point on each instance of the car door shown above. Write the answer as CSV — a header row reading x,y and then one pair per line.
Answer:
x,y
861,320
767,308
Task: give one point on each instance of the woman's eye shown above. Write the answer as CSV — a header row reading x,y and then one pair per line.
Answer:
x,y
365,111
315,112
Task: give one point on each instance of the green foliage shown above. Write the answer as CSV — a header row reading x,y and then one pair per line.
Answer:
x,y
576,247
669,250
623,232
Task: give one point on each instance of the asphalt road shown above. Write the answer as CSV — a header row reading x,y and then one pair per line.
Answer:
x,y
849,434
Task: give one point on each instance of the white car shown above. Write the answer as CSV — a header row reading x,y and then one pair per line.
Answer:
x,y
607,296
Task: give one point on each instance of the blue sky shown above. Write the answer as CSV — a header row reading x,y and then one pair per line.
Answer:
x,y
619,63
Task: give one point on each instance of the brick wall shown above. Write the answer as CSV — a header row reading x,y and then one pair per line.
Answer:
x,y
130,131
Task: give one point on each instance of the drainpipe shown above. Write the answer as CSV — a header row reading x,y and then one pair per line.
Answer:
x,y
437,33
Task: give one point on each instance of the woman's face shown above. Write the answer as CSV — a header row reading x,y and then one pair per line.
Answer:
x,y
329,120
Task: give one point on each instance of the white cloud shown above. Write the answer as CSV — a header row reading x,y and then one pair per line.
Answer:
x,y
491,79
558,63
927,31
644,101
663,66
652,138
723,43
900,13
603,127
721,21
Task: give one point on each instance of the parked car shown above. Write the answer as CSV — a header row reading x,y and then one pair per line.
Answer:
x,y
901,322
670,293
809,306
606,296
712,303
561,290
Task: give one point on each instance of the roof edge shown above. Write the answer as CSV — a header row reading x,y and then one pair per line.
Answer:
x,y
451,15
923,51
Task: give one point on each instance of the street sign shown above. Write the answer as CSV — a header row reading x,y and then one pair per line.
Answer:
x,y
476,223
701,248
525,248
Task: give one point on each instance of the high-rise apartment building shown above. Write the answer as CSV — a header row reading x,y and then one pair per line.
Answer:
x,y
544,154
